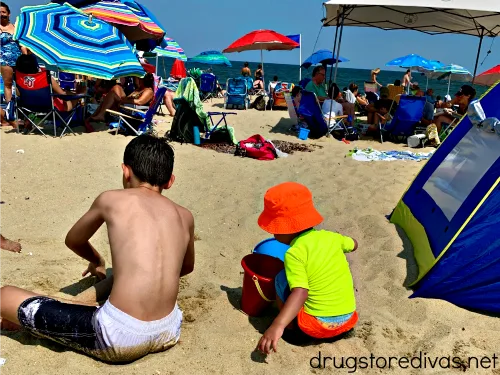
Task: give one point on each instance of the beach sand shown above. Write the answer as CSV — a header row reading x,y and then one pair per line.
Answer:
x,y
49,186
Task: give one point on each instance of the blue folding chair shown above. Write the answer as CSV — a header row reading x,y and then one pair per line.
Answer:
x,y
236,93
36,100
208,86
67,81
223,115
139,122
408,114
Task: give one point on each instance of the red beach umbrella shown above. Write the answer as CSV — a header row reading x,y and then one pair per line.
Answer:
x,y
488,78
178,69
149,68
268,40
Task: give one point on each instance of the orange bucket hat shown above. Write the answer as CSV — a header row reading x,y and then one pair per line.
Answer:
x,y
288,208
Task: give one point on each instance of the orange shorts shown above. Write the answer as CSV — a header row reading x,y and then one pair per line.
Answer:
x,y
316,328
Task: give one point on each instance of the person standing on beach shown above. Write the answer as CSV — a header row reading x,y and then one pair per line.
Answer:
x,y
407,79
374,74
317,83
245,71
152,246
9,245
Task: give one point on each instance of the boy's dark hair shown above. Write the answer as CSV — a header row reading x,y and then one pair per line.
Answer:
x,y
333,90
27,64
296,90
353,87
3,5
275,78
245,65
151,159
397,82
438,97
149,80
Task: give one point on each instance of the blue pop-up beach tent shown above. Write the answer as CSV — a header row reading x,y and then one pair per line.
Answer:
x,y
451,214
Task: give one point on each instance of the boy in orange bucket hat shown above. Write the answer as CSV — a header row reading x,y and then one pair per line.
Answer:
x,y
316,285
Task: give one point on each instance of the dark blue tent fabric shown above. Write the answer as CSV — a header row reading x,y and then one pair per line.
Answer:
x,y
468,274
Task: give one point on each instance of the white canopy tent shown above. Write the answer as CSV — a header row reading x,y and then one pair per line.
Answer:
x,y
478,18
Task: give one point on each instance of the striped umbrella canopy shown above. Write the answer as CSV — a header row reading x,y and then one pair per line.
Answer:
x,y
130,17
75,42
210,58
170,48
454,73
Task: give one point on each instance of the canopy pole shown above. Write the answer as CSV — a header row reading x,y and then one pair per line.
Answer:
x,y
478,53
263,81
449,81
156,67
333,51
338,47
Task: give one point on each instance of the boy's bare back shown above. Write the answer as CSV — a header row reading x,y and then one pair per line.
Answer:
x,y
152,245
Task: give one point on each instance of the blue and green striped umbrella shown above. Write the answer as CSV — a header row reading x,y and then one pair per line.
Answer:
x,y
210,58
75,42
170,48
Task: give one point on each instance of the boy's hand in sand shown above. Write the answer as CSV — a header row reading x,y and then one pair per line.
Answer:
x,y
270,339
97,270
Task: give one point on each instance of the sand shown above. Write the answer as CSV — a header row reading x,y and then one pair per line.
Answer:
x,y
48,187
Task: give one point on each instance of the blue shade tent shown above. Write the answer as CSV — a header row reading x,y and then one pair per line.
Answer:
x,y
64,36
210,58
324,57
451,214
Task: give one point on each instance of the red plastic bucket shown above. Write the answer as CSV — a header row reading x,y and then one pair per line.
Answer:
x,y
258,282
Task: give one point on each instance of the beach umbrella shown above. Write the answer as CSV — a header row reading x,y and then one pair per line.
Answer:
x,y
178,70
75,42
489,77
323,57
435,64
210,58
412,62
170,48
130,17
453,72
268,40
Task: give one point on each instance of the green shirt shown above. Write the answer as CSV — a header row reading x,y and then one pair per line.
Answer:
x,y
316,262
319,90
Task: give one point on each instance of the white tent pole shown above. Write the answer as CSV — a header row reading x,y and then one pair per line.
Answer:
x,y
300,57
449,81
156,69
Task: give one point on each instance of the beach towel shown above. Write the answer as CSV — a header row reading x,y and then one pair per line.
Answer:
x,y
189,91
369,154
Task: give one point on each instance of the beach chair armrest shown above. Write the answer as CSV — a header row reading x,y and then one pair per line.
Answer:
x,y
116,113
341,117
132,109
221,113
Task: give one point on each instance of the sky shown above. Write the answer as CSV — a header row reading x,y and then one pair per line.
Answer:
x,y
200,25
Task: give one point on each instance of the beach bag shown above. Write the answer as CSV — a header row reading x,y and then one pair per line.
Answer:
x,y
182,126
256,147
259,103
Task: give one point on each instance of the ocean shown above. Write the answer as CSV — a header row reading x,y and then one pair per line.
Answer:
x,y
290,73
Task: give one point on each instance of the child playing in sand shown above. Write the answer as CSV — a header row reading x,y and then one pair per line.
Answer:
x,y
152,246
316,286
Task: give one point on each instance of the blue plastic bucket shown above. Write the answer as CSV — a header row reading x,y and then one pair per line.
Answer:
x,y
303,133
272,248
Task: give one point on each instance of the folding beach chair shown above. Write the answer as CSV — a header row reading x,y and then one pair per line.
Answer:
x,y
310,110
249,82
139,122
67,81
236,93
278,94
208,86
36,100
408,113
291,109
395,92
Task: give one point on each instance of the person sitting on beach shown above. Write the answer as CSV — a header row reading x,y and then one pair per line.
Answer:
x,y
315,291
429,96
378,112
258,83
6,244
152,246
331,108
428,113
351,92
116,97
374,74
245,71
316,85
348,108
397,83
462,99
296,96
272,85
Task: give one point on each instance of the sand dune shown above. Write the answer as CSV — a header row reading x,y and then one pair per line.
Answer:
x,y
46,189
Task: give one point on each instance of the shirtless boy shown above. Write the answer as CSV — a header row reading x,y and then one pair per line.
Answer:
x,y
152,246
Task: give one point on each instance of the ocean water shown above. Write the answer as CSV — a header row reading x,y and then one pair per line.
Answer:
x,y
290,73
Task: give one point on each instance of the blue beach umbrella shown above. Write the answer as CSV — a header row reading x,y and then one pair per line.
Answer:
x,y
210,58
75,42
412,62
323,57
453,72
435,64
